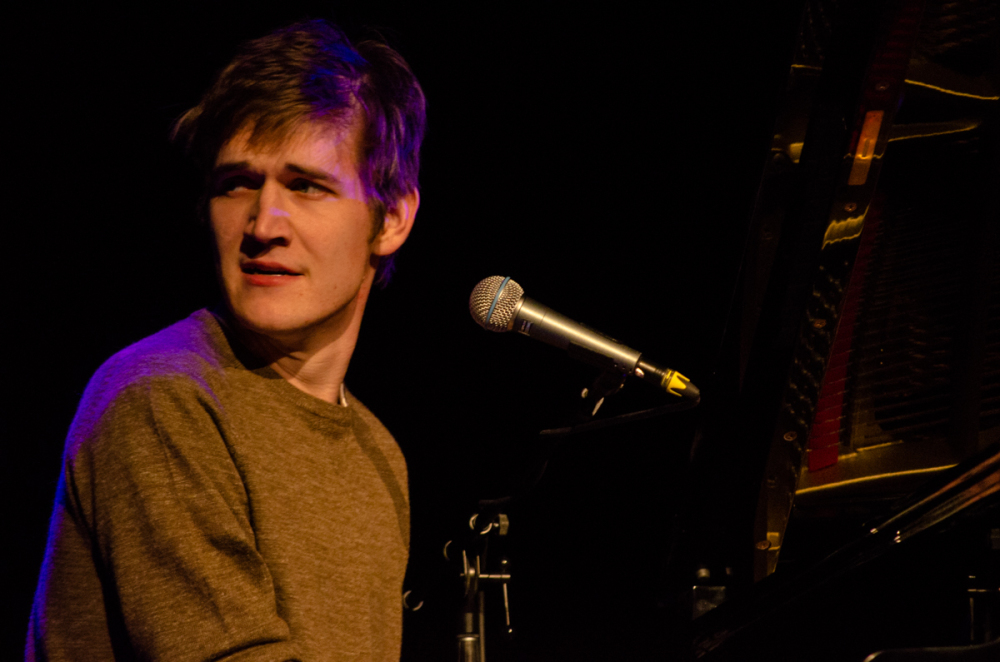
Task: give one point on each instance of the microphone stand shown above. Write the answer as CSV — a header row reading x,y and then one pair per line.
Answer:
x,y
472,629
492,520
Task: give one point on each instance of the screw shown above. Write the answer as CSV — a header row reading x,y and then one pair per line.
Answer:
x,y
819,324
850,206
763,545
791,435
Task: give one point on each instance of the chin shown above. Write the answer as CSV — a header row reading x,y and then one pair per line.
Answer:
x,y
289,323
270,322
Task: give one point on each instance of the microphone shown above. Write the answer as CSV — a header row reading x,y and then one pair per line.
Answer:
x,y
498,304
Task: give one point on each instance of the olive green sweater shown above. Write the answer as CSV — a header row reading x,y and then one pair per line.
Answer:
x,y
209,510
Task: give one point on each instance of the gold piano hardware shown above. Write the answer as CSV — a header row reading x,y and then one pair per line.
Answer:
x,y
872,478
930,129
944,90
850,228
866,148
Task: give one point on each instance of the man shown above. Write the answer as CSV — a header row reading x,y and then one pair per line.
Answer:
x,y
223,496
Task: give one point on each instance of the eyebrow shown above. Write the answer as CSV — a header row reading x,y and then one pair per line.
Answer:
x,y
225,168
312,173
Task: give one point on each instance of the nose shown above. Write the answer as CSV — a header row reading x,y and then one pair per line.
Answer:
x,y
268,222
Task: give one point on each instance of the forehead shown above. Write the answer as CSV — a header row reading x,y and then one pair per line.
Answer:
x,y
321,143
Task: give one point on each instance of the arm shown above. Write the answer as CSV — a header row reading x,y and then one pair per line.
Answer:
x,y
152,512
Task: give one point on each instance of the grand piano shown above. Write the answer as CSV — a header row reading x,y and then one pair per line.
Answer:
x,y
846,475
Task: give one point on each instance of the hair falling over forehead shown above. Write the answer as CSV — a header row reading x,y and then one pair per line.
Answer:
x,y
311,72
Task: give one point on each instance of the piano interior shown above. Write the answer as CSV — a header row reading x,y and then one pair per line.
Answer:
x,y
864,348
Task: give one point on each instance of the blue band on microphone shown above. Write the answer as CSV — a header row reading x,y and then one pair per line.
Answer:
x,y
496,298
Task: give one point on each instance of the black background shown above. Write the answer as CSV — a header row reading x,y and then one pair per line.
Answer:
x,y
605,158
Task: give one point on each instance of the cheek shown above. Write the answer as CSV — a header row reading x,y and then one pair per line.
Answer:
x,y
346,241
225,233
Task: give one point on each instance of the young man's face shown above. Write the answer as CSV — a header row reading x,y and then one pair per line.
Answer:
x,y
293,231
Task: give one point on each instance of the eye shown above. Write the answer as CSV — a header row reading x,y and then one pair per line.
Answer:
x,y
309,188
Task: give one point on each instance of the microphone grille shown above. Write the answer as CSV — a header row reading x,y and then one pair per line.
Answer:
x,y
493,302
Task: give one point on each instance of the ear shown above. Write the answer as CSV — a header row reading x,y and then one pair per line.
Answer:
x,y
397,225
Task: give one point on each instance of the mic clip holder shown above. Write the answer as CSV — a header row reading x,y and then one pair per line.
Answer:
x,y
605,385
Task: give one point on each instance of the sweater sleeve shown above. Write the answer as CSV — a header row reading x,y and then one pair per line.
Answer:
x,y
150,486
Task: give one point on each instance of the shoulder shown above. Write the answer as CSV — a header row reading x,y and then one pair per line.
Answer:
x,y
151,420
194,347
178,367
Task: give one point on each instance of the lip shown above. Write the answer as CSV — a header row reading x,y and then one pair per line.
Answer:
x,y
275,273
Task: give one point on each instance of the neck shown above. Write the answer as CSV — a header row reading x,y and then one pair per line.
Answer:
x,y
313,360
